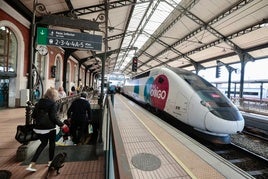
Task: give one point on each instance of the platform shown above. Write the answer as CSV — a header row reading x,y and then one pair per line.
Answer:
x,y
153,148
9,119
145,135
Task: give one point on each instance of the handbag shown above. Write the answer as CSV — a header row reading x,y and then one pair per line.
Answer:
x,y
25,133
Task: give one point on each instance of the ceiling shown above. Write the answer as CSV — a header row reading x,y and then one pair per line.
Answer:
x,y
189,34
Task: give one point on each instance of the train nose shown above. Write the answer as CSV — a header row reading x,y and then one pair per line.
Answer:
x,y
219,125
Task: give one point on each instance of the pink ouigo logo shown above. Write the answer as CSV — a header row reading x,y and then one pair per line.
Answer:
x,y
156,91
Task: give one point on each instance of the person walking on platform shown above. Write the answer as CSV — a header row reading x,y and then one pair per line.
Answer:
x,y
73,91
62,93
46,119
79,115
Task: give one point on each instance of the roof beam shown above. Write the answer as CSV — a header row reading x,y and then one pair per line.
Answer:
x,y
214,43
69,4
101,7
195,64
69,22
138,29
185,11
169,47
232,54
17,4
213,31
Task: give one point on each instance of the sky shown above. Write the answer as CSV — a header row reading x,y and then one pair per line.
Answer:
x,y
253,71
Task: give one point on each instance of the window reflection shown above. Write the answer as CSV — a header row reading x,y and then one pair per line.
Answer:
x,y
8,50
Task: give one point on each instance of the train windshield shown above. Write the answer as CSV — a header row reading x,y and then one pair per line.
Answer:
x,y
207,92
211,97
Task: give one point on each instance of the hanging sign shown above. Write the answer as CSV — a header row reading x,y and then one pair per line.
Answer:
x,y
67,39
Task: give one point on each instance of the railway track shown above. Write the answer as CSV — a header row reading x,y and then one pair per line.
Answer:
x,y
256,132
253,164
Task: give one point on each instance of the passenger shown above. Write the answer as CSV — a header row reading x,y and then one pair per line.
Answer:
x,y
73,91
79,115
62,93
79,88
36,94
46,119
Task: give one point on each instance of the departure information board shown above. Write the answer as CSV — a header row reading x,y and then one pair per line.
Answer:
x,y
67,39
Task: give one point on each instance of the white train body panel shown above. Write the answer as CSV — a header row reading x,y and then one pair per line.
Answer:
x,y
188,98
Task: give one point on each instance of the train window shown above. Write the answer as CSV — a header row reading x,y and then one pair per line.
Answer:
x,y
196,82
214,98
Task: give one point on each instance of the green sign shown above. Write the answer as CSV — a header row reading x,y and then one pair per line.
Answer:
x,y
42,35
66,39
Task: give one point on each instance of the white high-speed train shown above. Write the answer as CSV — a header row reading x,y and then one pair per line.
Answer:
x,y
188,98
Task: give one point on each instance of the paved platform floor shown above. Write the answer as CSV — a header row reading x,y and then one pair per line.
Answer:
x,y
147,138
9,119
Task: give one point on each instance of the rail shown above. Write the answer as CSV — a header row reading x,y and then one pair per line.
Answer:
x,y
253,105
63,103
117,165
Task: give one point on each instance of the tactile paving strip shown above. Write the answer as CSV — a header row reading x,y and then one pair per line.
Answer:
x,y
146,161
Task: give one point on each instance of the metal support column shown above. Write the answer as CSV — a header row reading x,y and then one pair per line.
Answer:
x,y
32,51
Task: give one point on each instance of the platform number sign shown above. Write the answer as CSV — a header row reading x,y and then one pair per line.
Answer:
x,y
134,64
68,39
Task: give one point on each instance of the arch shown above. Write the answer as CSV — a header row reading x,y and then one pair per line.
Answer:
x,y
68,77
41,63
20,81
75,75
59,66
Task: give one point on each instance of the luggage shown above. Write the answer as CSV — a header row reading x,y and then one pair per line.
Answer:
x,y
25,134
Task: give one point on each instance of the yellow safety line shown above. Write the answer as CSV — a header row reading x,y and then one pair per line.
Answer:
x,y
169,151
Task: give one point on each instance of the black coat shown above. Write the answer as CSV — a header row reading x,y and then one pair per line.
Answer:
x,y
45,114
79,111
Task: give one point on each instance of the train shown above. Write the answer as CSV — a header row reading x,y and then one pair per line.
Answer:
x,y
116,81
188,98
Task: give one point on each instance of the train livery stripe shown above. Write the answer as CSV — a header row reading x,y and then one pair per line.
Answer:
x,y
188,171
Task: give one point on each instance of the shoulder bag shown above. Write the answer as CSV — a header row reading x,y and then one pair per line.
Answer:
x,y
25,133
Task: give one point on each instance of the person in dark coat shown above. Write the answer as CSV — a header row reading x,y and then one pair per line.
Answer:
x,y
46,119
79,115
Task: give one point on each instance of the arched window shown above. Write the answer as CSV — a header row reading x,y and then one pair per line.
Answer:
x,y
8,51
40,67
58,72
68,81
75,75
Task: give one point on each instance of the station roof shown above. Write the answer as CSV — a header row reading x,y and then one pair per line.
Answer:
x,y
189,34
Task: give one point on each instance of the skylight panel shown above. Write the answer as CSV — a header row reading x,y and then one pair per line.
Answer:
x,y
147,26
160,14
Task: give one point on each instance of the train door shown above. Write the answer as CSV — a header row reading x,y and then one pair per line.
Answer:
x,y
4,88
